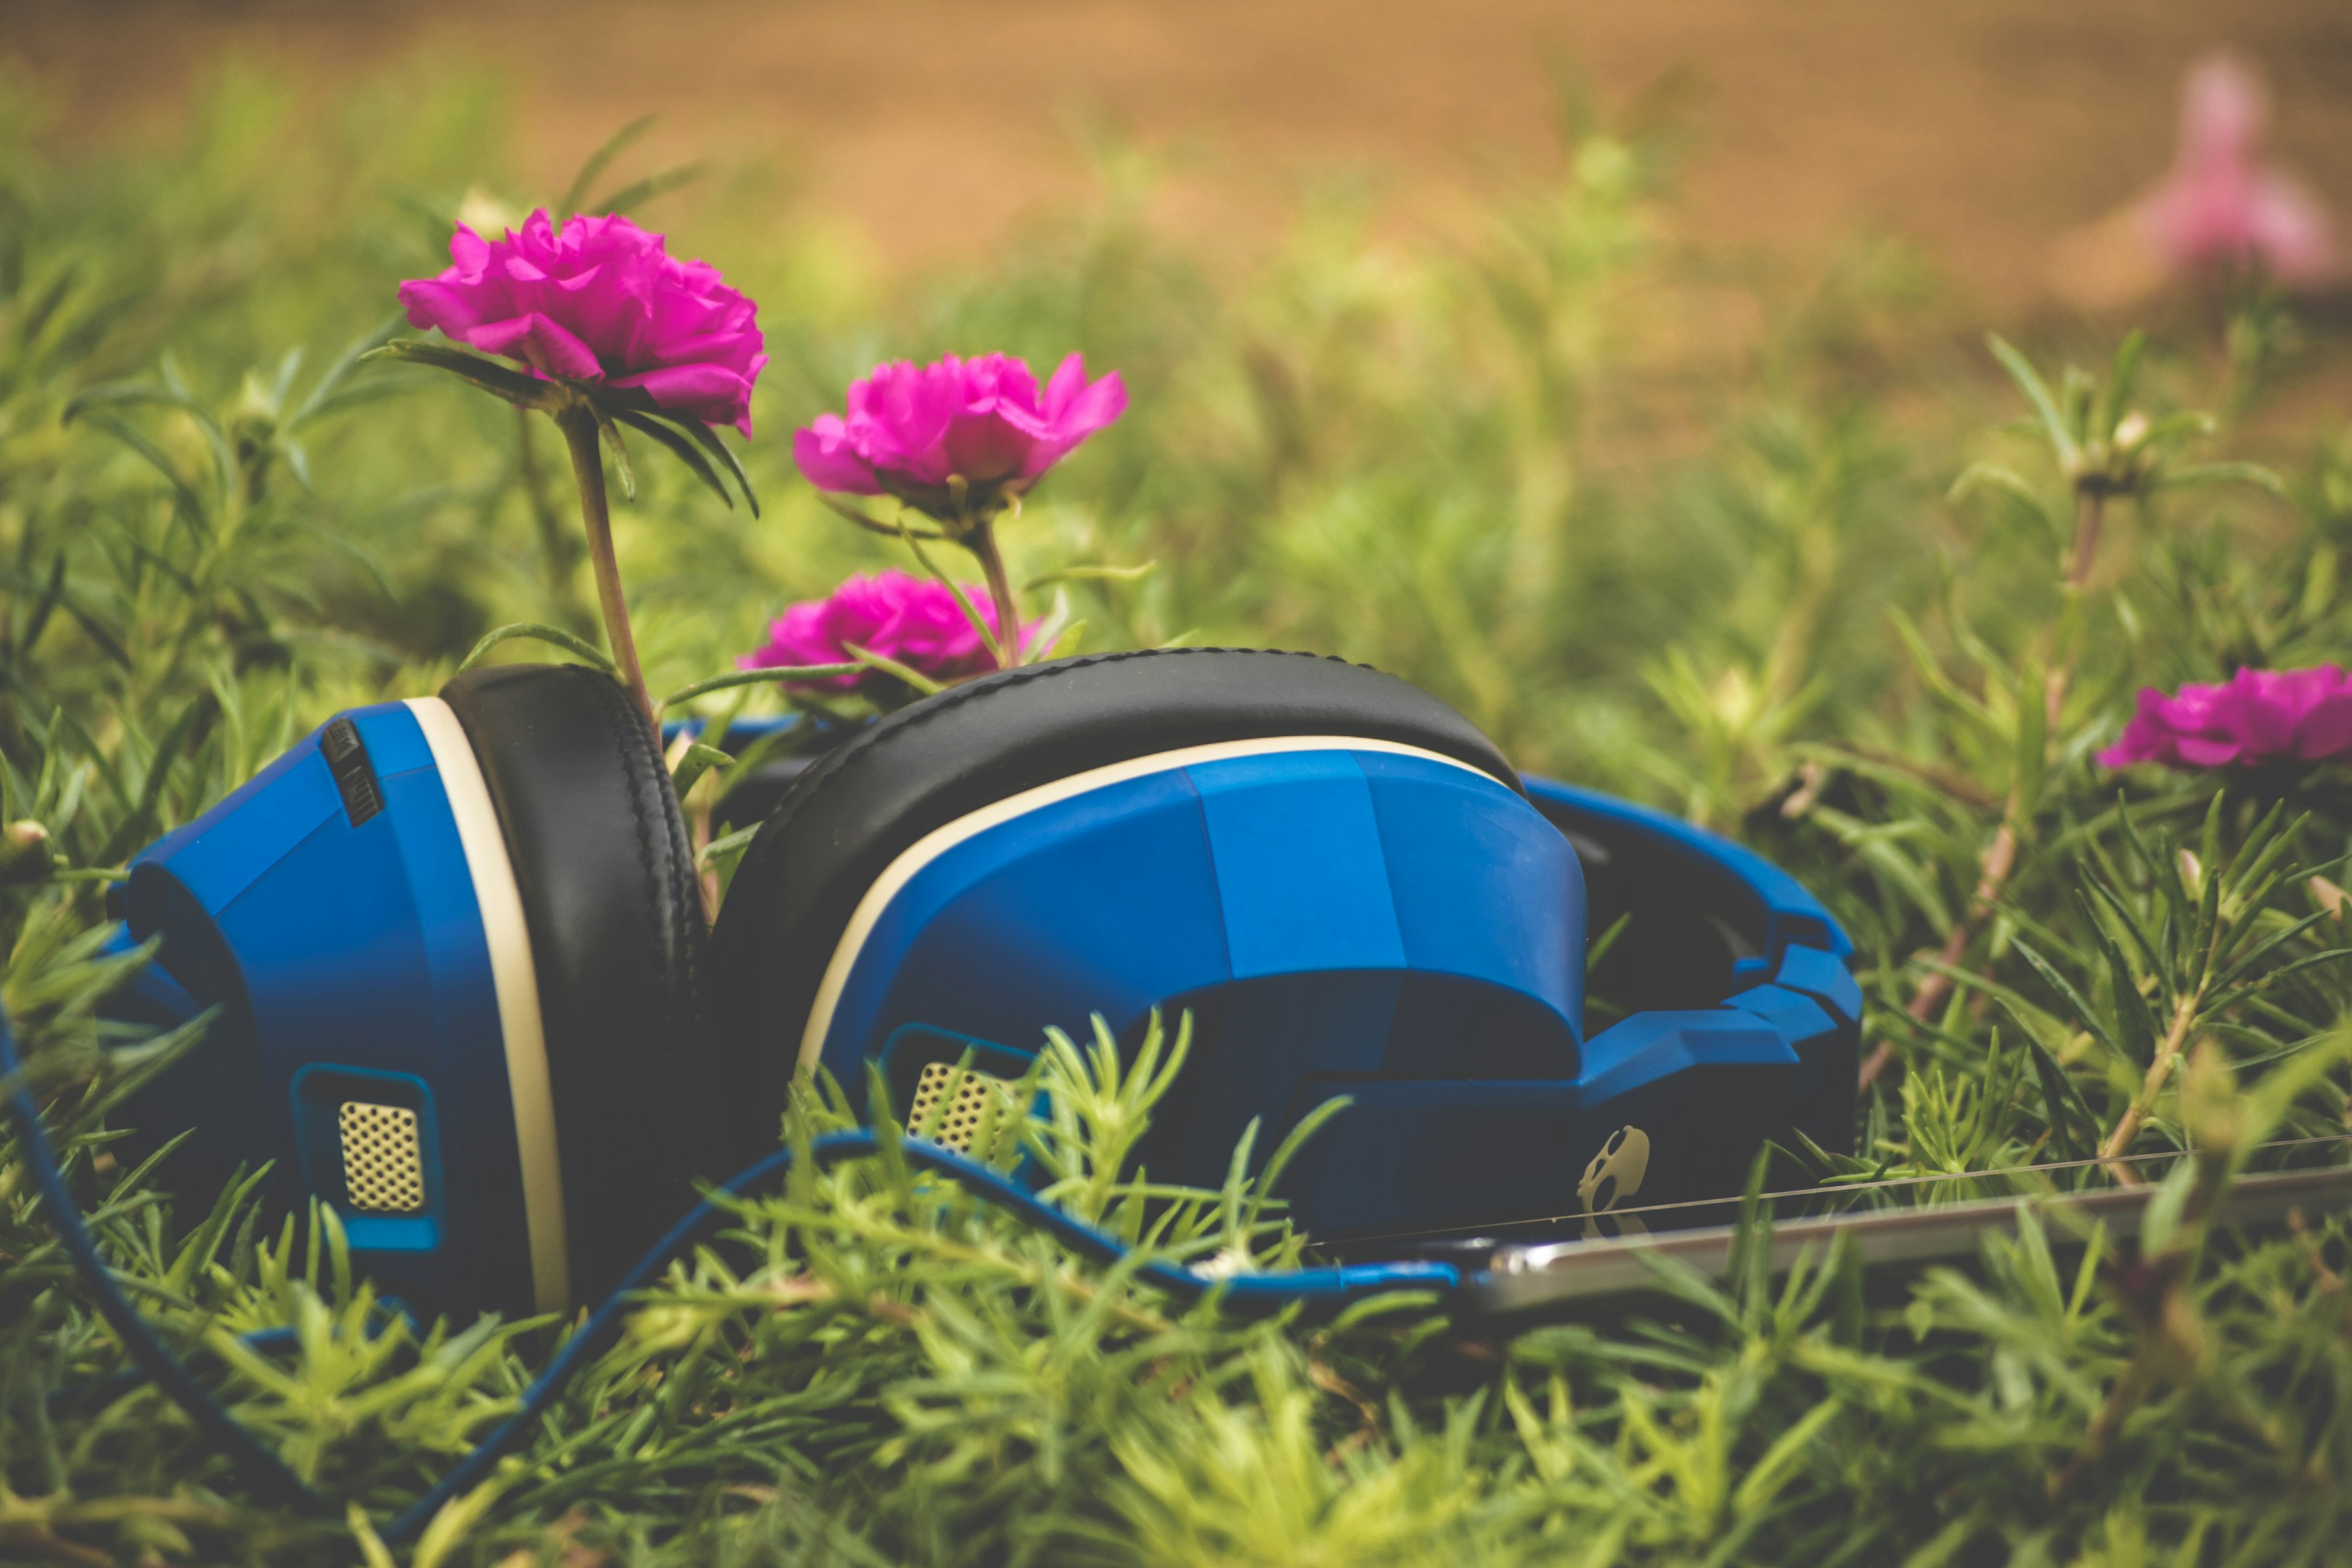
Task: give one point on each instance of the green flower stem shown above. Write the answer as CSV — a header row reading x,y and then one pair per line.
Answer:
x,y
2159,1070
982,542
560,551
2090,512
578,423
2090,516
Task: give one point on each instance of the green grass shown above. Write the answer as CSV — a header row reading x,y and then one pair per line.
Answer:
x,y
1551,467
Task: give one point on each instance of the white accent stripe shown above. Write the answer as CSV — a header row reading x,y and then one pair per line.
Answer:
x,y
939,840
516,981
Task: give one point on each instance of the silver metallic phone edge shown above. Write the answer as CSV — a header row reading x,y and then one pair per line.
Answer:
x,y
1527,1277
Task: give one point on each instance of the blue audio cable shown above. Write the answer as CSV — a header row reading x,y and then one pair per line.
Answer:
x,y
1322,1289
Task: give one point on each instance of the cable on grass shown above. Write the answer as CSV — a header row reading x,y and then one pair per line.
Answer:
x,y
1317,1289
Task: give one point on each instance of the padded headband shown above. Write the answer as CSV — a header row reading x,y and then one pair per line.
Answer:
x,y
1714,922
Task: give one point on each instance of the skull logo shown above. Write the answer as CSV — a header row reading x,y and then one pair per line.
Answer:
x,y
1615,1172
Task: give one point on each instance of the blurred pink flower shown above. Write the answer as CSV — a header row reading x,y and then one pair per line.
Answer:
x,y
913,620
912,428
2220,206
600,301
2257,716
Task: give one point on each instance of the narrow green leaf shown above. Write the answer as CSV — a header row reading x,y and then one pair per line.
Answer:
x,y
622,469
2209,841
523,390
1596,950
110,641
2042,1025
376,389
2136,1025
322,398
709,439
134,829
2206,932
2160,1221
2032,737
1931,671
593,169
373,1552
283,383
131,393
2061,1103
1269,1178
2264,848
757,678
191,504
698,760
28,634
2123,375
1091,574
843,508
964,601
2197,474
734,843
2037,393
2164,870
1779,1464
2218,1002
680,448
637,193
2066,988
2002,481
2268,945
888,666
538,631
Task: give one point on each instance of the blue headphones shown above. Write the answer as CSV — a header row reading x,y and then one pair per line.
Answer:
x,y
466,996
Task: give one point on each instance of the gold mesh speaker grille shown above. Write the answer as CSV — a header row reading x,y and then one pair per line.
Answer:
x,y
384,1164
970,1115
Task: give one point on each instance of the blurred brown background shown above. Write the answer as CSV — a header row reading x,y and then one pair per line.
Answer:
x,y
1981,129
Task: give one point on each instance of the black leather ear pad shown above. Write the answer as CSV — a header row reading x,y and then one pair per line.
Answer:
x,y
606,871
851,814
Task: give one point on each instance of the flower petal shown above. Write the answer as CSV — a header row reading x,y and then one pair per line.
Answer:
x,y
539,341
986,448
456,308
1085,412
827,459
710,392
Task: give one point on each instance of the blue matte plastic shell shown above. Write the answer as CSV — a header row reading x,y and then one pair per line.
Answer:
x,y
347,962
1391,928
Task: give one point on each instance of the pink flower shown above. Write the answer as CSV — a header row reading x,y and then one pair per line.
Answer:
x,y
911,429
2258,716
600,301
913,620
2220,206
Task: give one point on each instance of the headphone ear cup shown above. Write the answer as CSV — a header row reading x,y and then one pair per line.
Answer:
x,y
605,867
854,810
